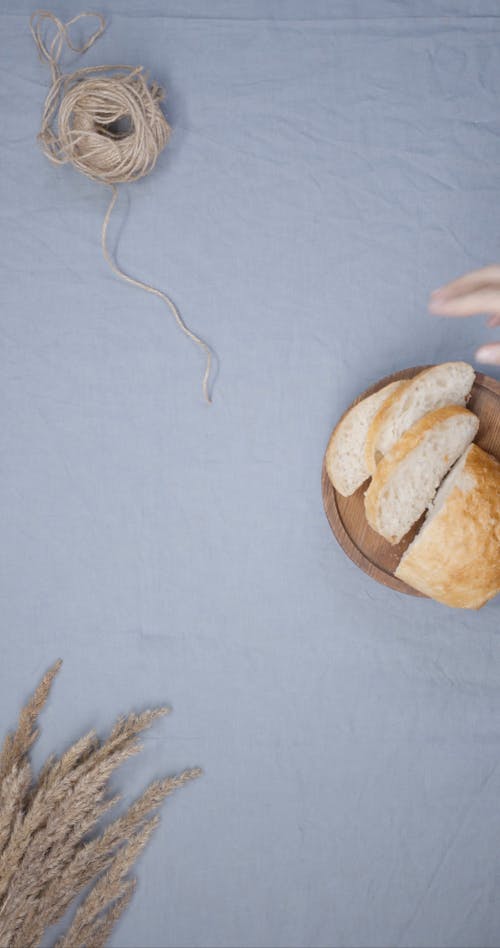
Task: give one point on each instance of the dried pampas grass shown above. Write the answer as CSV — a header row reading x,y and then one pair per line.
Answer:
x,y
50,851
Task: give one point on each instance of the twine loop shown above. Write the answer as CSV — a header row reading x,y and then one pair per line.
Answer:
x,y
107,122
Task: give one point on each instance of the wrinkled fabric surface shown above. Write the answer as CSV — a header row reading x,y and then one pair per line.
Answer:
x,y
330,164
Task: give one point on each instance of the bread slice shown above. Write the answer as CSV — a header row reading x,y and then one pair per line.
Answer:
x,y
408,476
345,454
446,384
455,558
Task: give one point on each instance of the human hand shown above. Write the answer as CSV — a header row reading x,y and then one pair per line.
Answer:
x,y
474,293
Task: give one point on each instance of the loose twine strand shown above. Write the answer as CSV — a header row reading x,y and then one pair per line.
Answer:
x,y
107,122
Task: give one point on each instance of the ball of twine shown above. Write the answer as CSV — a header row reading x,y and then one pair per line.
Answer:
x,y
110,127
107,122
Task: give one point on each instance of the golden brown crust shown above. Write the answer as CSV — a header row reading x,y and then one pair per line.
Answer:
x,y
456,557
379,421
391,461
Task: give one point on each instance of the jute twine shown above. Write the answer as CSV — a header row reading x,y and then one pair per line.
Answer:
x,y
107,122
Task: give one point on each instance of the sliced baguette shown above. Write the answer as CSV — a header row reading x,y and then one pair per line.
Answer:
x,y
455,558
407,477
345,454
445,384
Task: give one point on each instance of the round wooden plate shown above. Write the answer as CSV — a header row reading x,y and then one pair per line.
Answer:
x,y
346,515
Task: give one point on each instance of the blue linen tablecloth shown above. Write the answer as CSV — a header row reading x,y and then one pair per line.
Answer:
x,y
330,164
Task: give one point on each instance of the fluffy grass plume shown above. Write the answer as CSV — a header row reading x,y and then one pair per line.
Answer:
x,y
51,848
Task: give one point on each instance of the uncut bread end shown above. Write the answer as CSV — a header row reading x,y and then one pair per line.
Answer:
x,y
345,454
408,476
455,557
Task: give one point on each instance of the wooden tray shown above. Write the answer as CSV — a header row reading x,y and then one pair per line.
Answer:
x,y
346,515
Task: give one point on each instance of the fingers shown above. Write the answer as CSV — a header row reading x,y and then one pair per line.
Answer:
x,y
480,301
472,294
486,300
477,279
489,354
475,292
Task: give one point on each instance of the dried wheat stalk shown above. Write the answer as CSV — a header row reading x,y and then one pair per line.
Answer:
x,y
50,850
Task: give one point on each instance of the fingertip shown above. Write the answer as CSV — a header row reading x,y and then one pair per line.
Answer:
x,y
440,294
489,355
438,307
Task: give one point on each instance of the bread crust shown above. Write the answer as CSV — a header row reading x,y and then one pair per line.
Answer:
x,y
391,461
455,558
378,423
385,411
